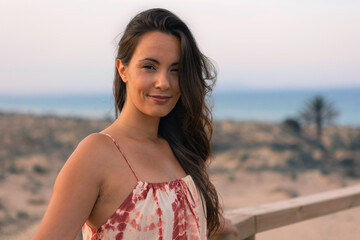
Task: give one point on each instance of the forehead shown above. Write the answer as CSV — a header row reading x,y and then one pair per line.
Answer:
x,y
160,46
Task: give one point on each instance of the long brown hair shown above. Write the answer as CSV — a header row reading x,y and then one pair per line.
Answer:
x,y
188,127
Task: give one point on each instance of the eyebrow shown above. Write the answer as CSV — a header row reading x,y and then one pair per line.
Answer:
x,y
156,61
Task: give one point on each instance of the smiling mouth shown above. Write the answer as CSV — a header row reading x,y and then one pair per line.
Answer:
x,y
159,98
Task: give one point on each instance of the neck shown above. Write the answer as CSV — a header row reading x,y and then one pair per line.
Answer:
x,y
137,125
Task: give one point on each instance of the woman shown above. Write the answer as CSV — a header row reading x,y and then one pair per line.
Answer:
x,y
144,177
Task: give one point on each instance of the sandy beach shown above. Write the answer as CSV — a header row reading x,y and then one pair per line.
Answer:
x,y
253,163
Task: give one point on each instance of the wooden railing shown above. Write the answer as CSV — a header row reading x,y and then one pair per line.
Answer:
x,y
252,220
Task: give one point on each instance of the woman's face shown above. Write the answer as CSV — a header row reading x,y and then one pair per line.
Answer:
x,y
151,77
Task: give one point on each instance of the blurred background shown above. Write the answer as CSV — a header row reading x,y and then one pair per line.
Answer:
x,y
282,66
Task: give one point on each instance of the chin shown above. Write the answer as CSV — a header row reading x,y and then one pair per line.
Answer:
x,y
158,112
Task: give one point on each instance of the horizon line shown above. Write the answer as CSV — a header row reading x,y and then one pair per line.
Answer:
x,y
221,90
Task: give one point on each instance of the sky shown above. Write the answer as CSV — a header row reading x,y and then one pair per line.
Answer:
x,y
57,47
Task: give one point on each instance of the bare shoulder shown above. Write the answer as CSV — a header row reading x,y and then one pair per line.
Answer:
x,y
93,150
91,158
95,143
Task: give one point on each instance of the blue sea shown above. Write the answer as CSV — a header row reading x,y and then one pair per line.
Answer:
x,y
246,105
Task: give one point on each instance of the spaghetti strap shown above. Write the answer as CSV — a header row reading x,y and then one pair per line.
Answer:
x,y
117,145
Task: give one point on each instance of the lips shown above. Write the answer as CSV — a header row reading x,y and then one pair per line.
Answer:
x,y
160,98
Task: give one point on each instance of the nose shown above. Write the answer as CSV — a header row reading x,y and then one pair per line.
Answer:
x,y
162,81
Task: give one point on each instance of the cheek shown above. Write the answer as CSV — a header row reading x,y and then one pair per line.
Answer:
x,y
140,84
176,85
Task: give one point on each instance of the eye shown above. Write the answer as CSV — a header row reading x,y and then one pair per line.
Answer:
x,y
150,67
175,70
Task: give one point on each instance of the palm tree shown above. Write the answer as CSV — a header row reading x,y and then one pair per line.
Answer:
x,y
319,111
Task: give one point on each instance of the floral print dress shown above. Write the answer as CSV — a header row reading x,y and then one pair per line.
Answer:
x,y
167,210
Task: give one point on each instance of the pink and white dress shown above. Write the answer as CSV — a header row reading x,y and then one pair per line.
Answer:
x,y
167,210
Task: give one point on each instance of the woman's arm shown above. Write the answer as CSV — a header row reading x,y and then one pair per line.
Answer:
x,y
74,194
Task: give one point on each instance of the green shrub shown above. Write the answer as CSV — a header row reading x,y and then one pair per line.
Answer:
x,y
292,125
22,214
39,169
